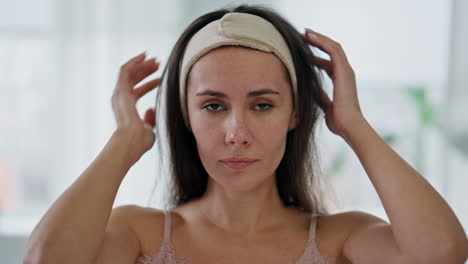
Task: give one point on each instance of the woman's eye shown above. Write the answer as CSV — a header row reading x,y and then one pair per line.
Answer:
x,y
218,107
212,107
263,107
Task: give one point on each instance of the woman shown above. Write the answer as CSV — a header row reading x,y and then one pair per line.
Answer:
x,y
243,97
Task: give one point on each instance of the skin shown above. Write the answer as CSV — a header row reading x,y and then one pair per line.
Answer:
x,y
239,125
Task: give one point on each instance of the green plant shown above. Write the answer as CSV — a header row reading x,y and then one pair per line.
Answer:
x,y
426,115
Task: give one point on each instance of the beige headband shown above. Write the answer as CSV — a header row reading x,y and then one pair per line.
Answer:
x,y
234,29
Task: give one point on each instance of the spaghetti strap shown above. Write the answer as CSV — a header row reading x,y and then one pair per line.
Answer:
x,y
312,228
167,227
312,254
165,254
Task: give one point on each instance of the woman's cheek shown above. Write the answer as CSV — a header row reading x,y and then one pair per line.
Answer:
x,y
278,122
202,120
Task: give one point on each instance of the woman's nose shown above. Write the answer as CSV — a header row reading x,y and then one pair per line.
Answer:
x,y
237,131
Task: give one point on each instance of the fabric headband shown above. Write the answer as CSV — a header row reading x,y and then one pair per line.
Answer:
x,y
234,29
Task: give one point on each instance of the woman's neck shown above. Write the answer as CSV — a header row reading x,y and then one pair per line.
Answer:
x,y
247,212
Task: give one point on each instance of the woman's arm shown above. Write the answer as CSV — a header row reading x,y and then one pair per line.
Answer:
x,y
423,227
74,228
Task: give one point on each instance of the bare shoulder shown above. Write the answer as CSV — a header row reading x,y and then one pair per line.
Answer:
x,y
146,222
334,229
352,219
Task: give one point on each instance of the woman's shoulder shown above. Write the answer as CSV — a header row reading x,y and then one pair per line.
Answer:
x,y
344,223
136,214
334,229
146,222
348,220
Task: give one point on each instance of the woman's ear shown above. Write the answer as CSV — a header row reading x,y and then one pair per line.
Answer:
x,y
292,121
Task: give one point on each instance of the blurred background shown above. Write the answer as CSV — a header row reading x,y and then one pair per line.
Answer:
x,y
59,62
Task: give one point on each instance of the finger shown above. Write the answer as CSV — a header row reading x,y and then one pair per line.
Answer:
x,y
323,64
150,117
139,58
325,100
143,70
146,88
125,69
328,41
150,137
129,71
128,79
332,48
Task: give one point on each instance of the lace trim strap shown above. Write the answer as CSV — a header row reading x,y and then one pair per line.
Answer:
x,y
167,226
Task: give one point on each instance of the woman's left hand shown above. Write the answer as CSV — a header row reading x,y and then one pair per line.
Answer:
x,y
344,110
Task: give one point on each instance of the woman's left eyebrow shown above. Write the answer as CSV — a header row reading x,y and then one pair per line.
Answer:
x,y
250,94
261,92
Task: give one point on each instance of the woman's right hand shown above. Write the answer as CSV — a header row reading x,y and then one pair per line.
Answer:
x,y
124,98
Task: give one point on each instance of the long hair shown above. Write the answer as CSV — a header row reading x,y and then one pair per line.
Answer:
x,y
298,172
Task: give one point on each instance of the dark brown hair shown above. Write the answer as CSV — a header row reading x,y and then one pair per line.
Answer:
x,y
297,174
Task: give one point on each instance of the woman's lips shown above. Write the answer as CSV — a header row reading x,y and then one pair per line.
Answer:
x,y
237,165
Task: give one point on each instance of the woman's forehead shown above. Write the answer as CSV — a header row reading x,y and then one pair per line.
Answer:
x,y
238,69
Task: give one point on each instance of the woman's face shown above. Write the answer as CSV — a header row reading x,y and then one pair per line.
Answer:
x,y
240,106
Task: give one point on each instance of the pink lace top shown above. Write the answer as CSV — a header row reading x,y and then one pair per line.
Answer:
x,y
166,254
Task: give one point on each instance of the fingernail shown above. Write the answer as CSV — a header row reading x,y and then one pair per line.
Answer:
x,y
149,127
151,60
312,35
